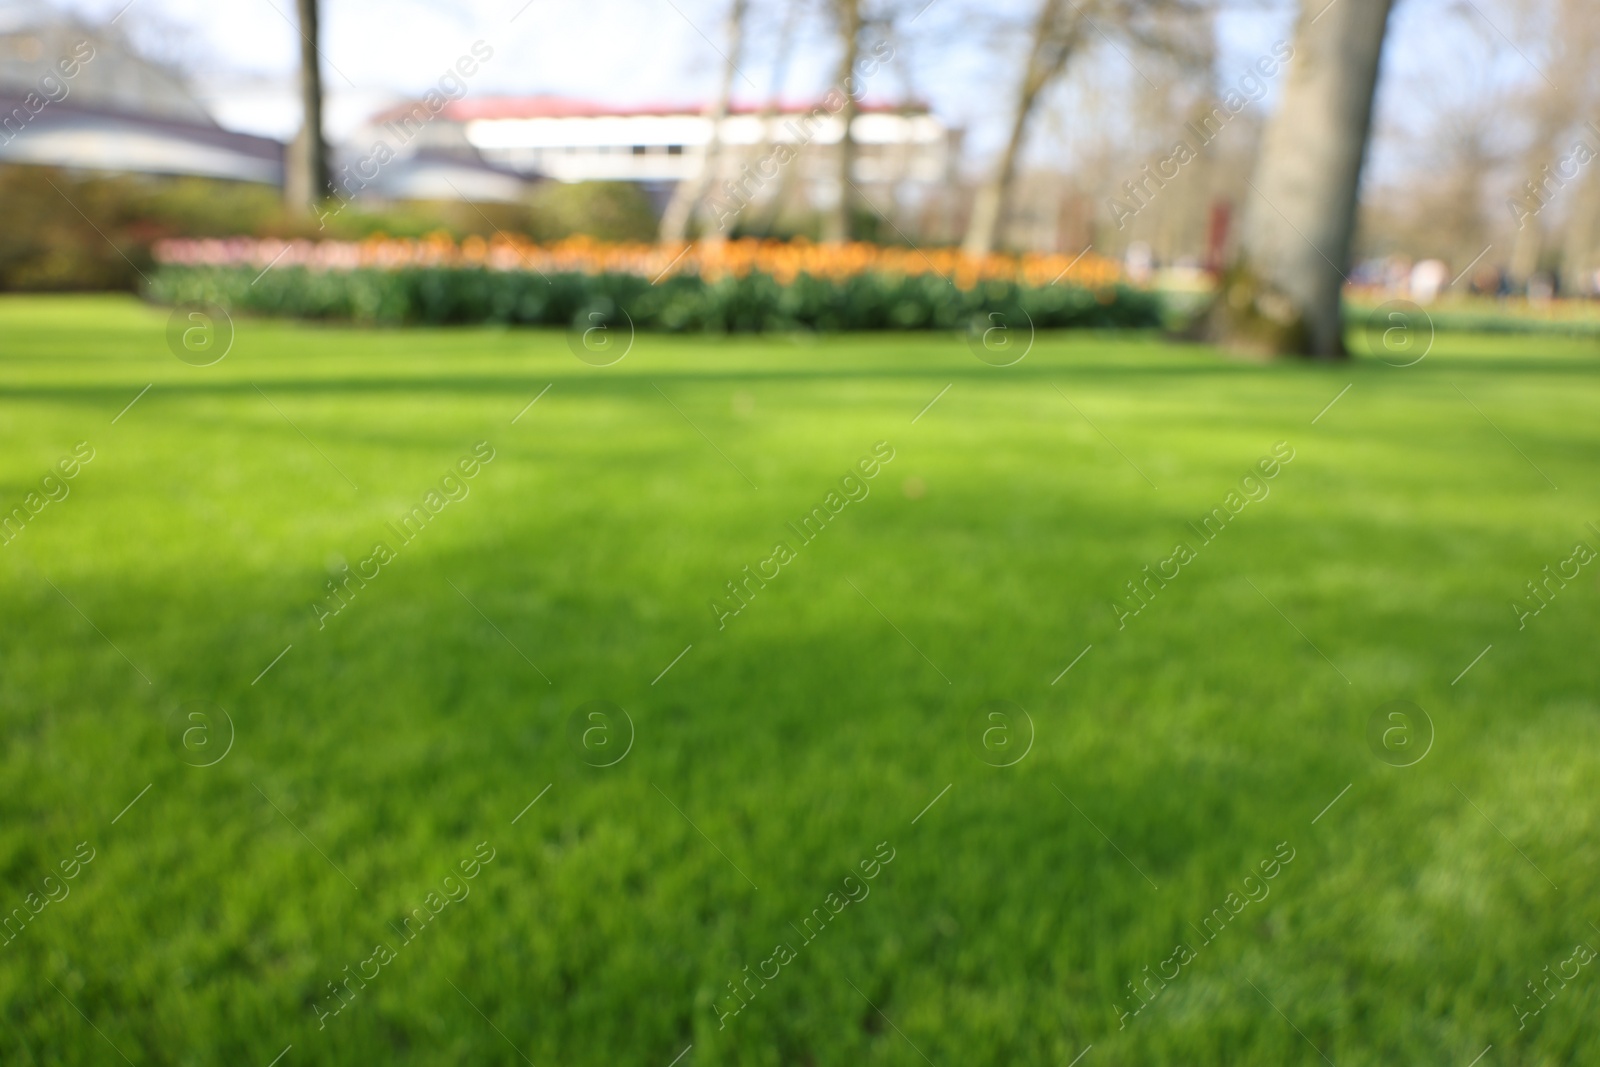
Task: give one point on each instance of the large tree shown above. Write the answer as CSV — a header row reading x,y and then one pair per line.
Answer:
x,y
1283,294
305,180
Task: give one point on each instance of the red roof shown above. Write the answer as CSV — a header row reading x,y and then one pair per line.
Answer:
x,y
565,107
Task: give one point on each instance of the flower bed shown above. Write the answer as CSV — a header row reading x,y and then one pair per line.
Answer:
x,y
733,286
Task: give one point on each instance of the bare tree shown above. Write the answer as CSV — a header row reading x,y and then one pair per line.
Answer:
x,y
1284,295
1442,194
1555,102
1552,114
306,168
769,114
1060,29
1466,148
1580,257
689,193
1057,31
1441,203
837,223
1580,251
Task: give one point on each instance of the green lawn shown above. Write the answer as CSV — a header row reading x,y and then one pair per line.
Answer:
x,y
402,739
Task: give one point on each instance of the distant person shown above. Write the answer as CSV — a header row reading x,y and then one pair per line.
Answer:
x,y
1427,278
1139,262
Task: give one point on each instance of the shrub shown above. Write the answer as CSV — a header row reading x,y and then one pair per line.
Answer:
x,y
608,211
749,302
68,230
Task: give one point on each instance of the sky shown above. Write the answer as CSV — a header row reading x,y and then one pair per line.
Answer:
x,y
623,51
963,63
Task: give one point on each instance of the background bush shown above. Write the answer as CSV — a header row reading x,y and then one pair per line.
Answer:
x,y
750,303
607,211
66,231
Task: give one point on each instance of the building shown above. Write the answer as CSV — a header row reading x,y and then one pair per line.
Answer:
x,y
425,156
75,97
904,155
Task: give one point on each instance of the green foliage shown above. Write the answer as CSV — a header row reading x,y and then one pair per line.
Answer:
x,y
1490,315
606,211
789,221
64,234
68,231
384,747
71,231
417,218
682,303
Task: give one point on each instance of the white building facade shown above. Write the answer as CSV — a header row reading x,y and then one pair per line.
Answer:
x,y
904,155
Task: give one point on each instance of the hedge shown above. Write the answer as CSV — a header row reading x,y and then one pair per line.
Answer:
x,y
747,303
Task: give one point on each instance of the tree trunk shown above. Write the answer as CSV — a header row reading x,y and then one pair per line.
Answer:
x,y
837,224
1578,259
688,194
1052,41
769,119
994,195
1528,246
305,179
1555,106
1284,294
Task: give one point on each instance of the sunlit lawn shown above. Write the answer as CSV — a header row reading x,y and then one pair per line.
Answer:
x,y
380,753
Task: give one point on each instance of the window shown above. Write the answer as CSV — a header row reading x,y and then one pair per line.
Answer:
x,y
674,149
638,149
